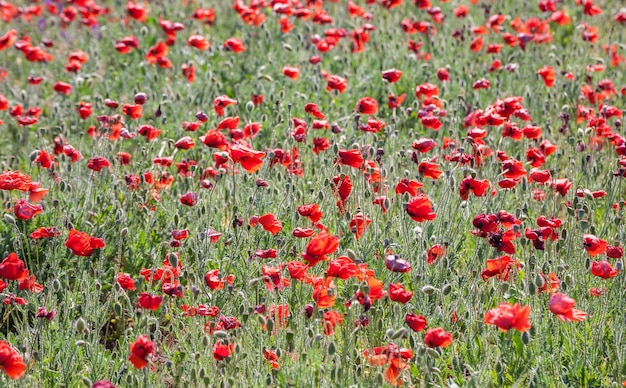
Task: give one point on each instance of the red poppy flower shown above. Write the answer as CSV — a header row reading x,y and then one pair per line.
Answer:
x,y
235,45
358,224
367,105
214,280
420,209
562,306
222,351
199,42
594,245
185,143
150,302
408,186
437,338
125,281
548,74
23,210
435,252
470,184
11,362
417,323
314,110
45,232
81,244
394,101
398,293
319,246
429,169
392,75
12,268
270,223
221,102
8,39
507,316
335,82
513,169
311,211
291,72
614,252
390,355
352,158
98,163
190,198
140,350
251,160
499,267
15,180
331,319
62,87
135,111
603,269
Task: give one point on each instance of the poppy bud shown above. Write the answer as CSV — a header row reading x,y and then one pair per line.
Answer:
x,y
140,98
87,381
525,337
433,352
389,333
9,219
532,288
80,325
201,116
428,289
117,307
401,333
619,265
446,289
332,348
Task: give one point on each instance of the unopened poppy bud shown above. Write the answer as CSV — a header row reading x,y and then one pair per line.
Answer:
x,y
80,343
308,310
400,333
532,288
270,325
332,349
261,320
351,254
220,334
428,289
140,98
87,381
446,289
173,260
433,352
9,219
504,287
117,307
619,265
525,337
389,333
80,325
201,116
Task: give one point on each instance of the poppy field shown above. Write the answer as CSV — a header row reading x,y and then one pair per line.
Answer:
x,y
312,193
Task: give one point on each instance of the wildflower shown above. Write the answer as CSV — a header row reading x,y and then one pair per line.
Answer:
x,y
507,316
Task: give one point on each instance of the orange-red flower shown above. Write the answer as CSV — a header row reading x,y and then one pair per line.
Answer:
x,y
15,180
437,338
393,356
367,105
603,269
199,42
392,75
150,302
12,268
140,350
562,306
24,210
507,316
352,158
420,209
81,244
235,45
416,322
11,362
320,245
594,245
291,72
270,223
548,74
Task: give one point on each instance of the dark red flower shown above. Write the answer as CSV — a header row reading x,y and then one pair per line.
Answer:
x,y
140,350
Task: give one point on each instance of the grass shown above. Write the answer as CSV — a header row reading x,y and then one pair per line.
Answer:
x,y
97,320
